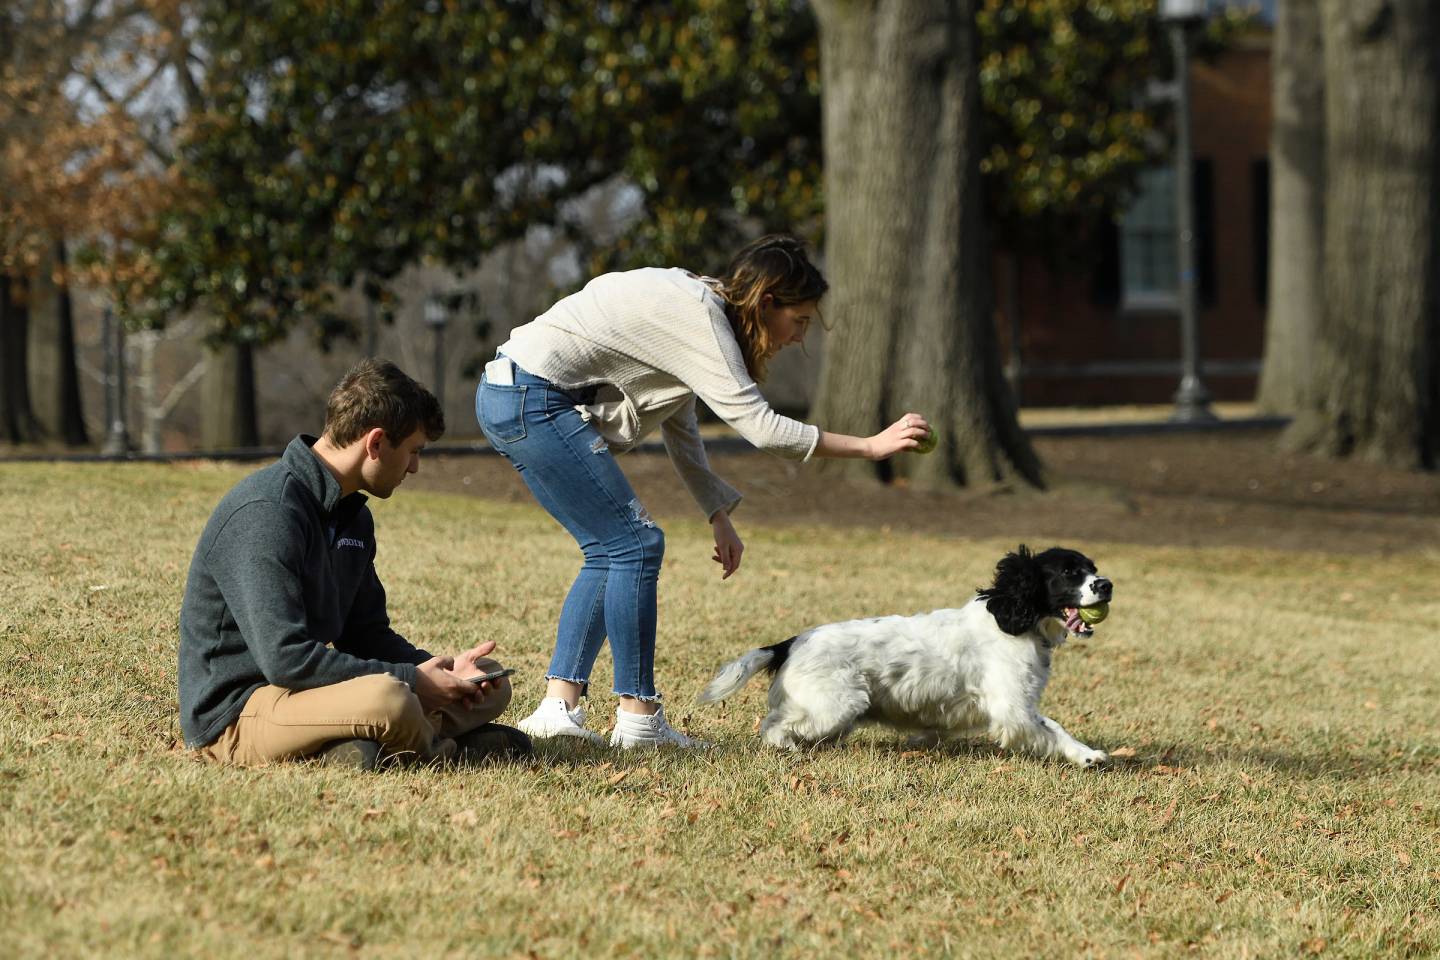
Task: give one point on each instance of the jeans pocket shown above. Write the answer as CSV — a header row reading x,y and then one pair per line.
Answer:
x,y
502,412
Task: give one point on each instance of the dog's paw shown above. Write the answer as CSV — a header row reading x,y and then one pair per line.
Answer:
x,y
1090,759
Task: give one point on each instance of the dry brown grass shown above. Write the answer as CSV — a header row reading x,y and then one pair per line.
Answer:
x,y
1273,716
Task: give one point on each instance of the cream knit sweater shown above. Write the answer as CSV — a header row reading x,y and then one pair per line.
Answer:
x,y
653,340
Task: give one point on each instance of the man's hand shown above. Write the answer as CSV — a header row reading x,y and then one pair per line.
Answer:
x,y
728,546
465,662
473,662
437,686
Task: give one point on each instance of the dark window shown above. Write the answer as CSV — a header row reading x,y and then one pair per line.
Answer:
x,y
1260,223
1105,278
1204,192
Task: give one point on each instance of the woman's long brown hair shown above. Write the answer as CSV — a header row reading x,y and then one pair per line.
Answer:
x,y
777,265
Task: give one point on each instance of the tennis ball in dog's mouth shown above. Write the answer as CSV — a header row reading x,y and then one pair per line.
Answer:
x,y
1093,615
928,443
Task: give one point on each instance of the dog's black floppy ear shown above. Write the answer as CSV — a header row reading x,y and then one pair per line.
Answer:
x,y
1018,597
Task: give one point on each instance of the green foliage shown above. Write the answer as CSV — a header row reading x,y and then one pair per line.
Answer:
x,y
343,141
1063,85
347,140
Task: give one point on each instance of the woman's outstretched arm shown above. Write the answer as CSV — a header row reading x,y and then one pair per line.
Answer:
x,y
904,434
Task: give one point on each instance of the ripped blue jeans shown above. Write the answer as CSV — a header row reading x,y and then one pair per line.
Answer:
x,y
572,473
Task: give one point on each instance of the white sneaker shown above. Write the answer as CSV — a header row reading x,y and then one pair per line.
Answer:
x,y
554,718
641,730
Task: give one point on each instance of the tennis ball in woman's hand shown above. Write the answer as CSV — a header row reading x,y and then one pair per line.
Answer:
x,y
928,443
1093,615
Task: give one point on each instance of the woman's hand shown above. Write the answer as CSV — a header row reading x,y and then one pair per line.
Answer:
x,y
902,435
728,546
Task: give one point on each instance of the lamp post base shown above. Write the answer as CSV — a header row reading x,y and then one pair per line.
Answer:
x,y
117,443
1192,402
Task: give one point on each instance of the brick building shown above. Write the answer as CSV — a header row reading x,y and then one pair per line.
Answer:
x,y
1111,333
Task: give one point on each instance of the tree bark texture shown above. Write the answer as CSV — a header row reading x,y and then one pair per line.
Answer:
x,y
1375,386
1297,207
229,420
71,417
906,251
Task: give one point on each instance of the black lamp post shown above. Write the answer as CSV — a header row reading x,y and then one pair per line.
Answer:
x,y
437,315
1192,400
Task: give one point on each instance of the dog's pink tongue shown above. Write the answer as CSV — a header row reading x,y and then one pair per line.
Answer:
x,y
1072,619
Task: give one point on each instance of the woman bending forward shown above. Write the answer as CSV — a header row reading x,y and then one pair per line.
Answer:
x,y
596,374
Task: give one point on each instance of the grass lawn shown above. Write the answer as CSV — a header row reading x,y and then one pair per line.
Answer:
x,y
1276,788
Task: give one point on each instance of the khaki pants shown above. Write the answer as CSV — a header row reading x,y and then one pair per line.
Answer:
x,y
280,724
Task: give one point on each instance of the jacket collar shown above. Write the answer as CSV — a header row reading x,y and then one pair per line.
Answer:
x,y
316,478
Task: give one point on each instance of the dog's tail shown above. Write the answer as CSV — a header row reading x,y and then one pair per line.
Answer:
x,y
735,674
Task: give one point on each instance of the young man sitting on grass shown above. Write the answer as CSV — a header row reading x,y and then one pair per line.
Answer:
x,y
286,650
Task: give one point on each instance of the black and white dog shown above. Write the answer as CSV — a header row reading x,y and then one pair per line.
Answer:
x,y
977,669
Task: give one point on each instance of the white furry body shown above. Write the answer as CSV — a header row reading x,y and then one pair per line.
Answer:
x,y
947,673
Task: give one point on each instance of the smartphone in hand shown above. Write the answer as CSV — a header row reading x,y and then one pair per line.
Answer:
x,y
494,675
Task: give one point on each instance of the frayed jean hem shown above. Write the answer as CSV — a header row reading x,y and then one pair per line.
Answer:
x,y
584,684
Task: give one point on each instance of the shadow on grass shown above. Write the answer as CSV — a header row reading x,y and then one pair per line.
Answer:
x,y
1158,759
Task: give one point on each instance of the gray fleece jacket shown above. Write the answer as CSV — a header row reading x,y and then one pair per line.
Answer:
x,y
282,590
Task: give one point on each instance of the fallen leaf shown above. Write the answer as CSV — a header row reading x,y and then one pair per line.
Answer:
x,y
1225,896
1403,857
465,818
1120,884
266,862
1314,946
372,813
1168,815
617,778
1123,752
343,939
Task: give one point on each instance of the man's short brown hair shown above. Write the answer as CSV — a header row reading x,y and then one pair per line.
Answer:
x,y
376,393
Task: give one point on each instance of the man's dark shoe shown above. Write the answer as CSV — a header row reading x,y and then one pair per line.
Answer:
x,y
493,741
354,754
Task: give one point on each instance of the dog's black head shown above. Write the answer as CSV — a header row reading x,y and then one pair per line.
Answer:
x,y
1030,587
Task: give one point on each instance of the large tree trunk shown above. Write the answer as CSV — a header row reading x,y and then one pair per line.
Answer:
x,y
229,420
70,415
1374,394
1297,207
7,409
906,250
17,416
